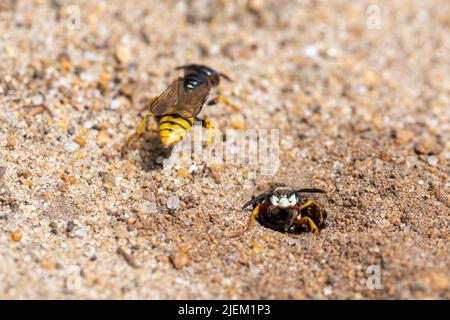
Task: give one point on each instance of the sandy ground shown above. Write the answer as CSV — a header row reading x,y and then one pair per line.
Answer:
x,y
362,109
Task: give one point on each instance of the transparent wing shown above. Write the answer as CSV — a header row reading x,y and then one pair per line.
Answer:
x,y
169,99
191,103
175,100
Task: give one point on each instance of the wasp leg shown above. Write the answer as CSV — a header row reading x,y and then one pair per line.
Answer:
x,y
131,140
208,124
252,218
311,223
216,100
312,204
308,220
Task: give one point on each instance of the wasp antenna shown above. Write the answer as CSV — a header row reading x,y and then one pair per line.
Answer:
x,y
311,190
182,67
225,77
255,200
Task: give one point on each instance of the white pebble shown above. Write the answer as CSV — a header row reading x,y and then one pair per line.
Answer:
x,y
88,76
432,160
173,202
337,165
128,214
311,51
148,207
89,124
291,242
360,89
192,168
333,52
78,233
411,161
71,146
327,290
37,100
114,104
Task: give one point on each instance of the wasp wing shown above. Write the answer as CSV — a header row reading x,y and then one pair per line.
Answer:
x,y
191,103
175,100
166,101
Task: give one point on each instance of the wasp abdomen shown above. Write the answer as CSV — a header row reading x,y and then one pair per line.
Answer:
x,y
173,128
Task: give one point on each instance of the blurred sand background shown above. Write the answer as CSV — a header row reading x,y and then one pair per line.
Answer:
x,y
362,104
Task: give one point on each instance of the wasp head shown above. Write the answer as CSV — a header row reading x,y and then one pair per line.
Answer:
x,y
283,197
212,75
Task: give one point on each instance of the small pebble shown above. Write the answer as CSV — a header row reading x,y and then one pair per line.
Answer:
x,y
147,207
80,141
237,121
89,124
109,179
78,233
291,242
337,165
403,136
432,160
187,223
128,214
16,236
327,290
411,161
179,259
173,202
114,104
311,51
183,173
71,146
428,146
193,169
37,100
124,55
88,76
103,138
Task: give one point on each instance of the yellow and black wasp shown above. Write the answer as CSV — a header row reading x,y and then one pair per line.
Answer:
x,y
178,106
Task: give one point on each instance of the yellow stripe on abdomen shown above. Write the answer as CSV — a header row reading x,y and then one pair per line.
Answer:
x,y
173,128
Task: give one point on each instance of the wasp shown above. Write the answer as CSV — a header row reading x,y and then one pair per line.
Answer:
x,y
178,106
283,209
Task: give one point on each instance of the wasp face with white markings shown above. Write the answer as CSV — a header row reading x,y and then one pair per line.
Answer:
x,y
284,198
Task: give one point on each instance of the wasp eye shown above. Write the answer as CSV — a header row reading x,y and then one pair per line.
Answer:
x,y
293,199
274,200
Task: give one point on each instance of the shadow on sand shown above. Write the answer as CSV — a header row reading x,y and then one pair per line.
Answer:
x,y
151,151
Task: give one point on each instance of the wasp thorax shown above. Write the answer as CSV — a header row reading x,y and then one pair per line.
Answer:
x,y
198,69
194,80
